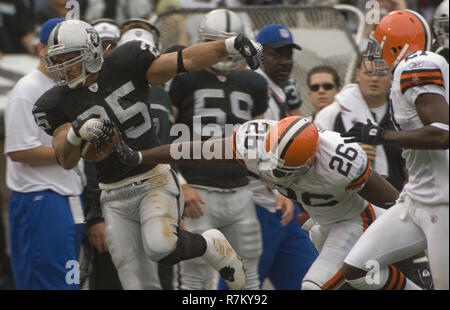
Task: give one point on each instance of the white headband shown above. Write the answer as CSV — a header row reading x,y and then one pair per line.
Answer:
x,y
108,31
137,34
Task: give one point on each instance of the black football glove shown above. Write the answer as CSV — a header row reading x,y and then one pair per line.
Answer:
x,y
251,51
127,155
96,134
365,133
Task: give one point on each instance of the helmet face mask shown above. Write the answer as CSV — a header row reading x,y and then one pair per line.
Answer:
x,y
59,71
221,24
69,37
372,55
282,175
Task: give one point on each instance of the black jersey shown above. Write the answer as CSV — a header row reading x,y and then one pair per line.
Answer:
x,y
161,107
120,94
206,103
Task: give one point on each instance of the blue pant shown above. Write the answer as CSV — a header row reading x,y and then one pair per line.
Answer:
x,y
45,242
287,251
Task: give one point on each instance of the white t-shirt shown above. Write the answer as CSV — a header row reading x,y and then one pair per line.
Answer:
x,y
328,191
421,73
22,133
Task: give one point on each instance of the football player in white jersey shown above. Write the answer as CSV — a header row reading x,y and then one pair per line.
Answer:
x,y
419,93
332,180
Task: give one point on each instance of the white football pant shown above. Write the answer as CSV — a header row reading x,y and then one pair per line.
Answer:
x,y
402,231
333,242
234,215
141,221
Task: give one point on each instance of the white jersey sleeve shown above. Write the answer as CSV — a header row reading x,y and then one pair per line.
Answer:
x,y
248,141
420,73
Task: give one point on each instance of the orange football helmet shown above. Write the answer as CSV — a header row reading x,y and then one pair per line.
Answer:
x,y
290,147
398,35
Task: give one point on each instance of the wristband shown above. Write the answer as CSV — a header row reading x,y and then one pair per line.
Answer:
x,y
72,137
229,45
181,179
140,158
180,64
440,126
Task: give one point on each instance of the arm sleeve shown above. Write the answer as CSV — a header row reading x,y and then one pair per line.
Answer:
x,y
91,196
134,57
46,117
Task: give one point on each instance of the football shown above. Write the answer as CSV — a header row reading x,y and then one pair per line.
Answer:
x,y
95,152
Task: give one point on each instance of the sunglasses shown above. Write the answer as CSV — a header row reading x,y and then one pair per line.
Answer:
x,y
326,86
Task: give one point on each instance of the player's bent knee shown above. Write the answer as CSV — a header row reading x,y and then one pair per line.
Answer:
x,y
157,250
310,286
350,272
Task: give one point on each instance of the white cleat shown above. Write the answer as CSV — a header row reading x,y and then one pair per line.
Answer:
x,y
222,257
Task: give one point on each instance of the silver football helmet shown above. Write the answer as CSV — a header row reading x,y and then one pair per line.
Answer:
x,y
440,23
73,36
222,24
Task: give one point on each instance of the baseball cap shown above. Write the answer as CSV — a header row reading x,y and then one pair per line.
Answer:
x,y
107,29
276,36
47,28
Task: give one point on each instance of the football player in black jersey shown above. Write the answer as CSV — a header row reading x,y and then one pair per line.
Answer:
x,y
142,205
218,197
162,118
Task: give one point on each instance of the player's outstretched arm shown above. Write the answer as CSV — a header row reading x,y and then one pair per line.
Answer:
x,y
177,153
378,191
434,114
203,55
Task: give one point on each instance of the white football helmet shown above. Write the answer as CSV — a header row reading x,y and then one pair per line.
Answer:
x,y
289,150
440,23
74,36
222,24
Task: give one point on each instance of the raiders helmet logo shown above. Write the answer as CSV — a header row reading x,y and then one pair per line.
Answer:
x,y
95,40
